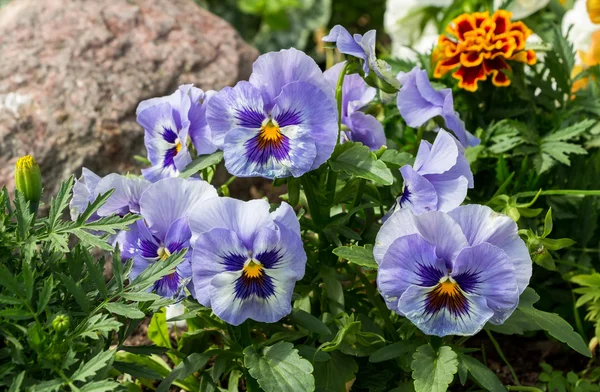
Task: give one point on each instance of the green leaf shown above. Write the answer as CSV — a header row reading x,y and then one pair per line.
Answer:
x,y
15,386
126,310
141,296
392,351
397,158
91,367
310,322
137,370
96,273
556,244
357,160
361,255
335,292
154,272
433,371
188,366
99,324
347,333
93,207
8,280
552,323
24,216
560,151
570,132
547,223
279,368
58,204
484,376
112,224
100,386
293,191
45,294
158,331
336,374
76,291
117,265
91,239
201,162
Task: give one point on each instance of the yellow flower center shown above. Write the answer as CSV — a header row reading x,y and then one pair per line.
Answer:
x,y
177,145
270,132
448,288
253,269
163,253
26,162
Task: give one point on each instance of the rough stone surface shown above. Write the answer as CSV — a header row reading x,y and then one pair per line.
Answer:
x,y
73,71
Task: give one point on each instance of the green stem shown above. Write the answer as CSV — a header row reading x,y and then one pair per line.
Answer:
x,y
338,98
246,338
331,184
313,205
499,350
558,192
420,132
523,389
375,299
359,193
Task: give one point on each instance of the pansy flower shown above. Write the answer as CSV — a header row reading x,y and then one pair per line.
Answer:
x,y
246,260
478,46
167,122
419,102
281,123
439,178
125,198
451,273
165,207
356,95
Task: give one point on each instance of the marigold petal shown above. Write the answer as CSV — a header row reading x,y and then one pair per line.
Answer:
x,y
531,57
469,77
444,66
471,59
463,24
501,19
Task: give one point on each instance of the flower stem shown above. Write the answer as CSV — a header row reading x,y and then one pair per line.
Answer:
x,y
375,299
523,389
313,205
420,132
499,350
559,192
338,98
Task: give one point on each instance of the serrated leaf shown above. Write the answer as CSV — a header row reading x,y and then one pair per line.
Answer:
x,y
117,265
158,331
484,376
8,280
23,214
571,131
201,162
357,160
433,371
112,224
91,367
96,274
93,207
279,368
98,324
129,311
552,323
310,322
560,151
100,386
548,223
58,204
15,385
141,296
76,291
360,255
45,294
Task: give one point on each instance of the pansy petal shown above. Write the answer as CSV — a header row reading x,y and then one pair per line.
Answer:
x,y
420,193
443,322
356,94
415,109
172,198
215,251
280,249
126,195
285,215
456,125
410,260
156,119
240,106
139,265
481,224
147,242
367,130
127,240
274,70
450,193
83,192
315,111
485,270
243,218
442,156
178,236
436,227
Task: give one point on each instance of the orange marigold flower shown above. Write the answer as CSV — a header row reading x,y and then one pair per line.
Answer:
x,y
480,45
588,59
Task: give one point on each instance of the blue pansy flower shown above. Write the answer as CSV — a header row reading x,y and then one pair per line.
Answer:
x,y
281,123
360,46
451,273
246,259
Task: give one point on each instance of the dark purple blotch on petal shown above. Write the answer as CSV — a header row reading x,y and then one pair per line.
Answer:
x,y
262,286
250,118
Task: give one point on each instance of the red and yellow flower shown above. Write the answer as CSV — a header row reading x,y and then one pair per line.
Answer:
x,y
480,45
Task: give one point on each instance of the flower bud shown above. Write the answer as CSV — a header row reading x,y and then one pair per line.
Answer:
x,y
28,181
61,323
593,9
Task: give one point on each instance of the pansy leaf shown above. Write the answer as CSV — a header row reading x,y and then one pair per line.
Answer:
x,y
188,366
200,163
310,322
433,371
480,373
394,350
279,368
357,160
335,375
396,159
361,255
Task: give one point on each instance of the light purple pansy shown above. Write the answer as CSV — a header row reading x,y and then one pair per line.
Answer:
x,y
419,102
164,229
246,259
357,45
281,123
439,178
167,122
125,198
451,273
356,95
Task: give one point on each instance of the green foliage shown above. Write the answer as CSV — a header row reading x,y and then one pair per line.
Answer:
x,y
433,370
357,160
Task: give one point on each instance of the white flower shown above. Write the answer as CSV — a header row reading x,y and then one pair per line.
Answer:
x,y
582,27
176,310
522,8
402,21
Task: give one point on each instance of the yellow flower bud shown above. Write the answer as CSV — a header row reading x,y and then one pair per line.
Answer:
x,y
593,9
28,179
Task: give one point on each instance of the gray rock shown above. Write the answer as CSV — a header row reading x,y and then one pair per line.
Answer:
x,y
73,71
